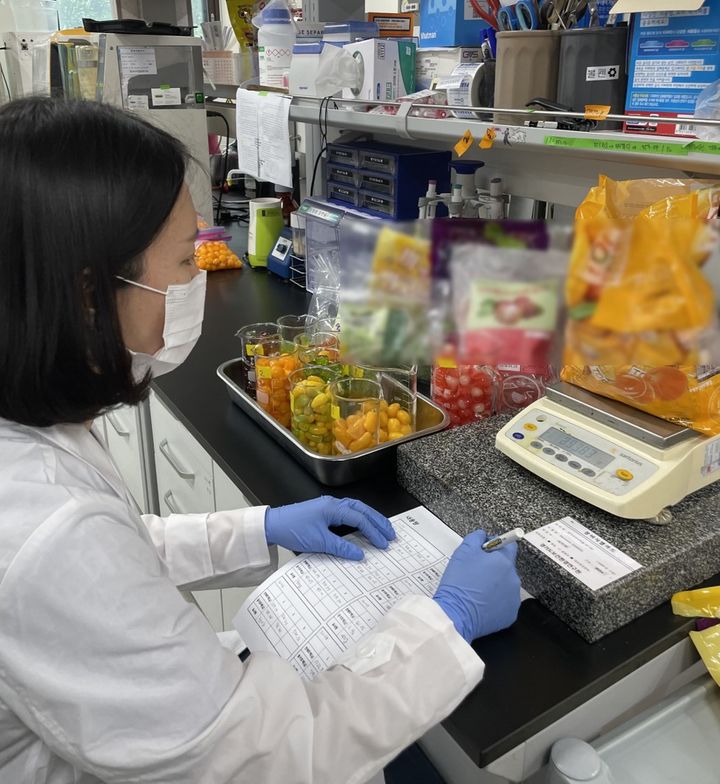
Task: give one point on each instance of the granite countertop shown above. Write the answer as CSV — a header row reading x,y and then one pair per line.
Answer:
x,y
467,482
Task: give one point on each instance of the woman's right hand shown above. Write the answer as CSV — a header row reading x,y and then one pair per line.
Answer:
x,y
480,591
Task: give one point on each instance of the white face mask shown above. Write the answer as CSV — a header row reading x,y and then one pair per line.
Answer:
x,y
184,311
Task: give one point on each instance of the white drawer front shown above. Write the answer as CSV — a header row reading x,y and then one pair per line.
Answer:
x,y
123,441
184,468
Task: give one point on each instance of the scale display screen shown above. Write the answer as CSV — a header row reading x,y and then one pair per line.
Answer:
x,y
576,447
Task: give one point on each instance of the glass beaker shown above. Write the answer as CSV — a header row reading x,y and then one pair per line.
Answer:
x,y
273,367
398,410
356,414
320,348
290,326
310,406
251,337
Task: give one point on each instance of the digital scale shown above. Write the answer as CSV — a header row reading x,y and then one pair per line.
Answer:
x,y
629,463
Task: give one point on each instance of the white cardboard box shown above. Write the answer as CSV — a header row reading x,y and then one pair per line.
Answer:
x,y
432,64
387,66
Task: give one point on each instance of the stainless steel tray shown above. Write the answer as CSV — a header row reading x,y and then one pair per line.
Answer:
x,y
333,471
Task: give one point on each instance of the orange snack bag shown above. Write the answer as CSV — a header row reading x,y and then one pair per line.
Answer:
x,y
641,314
211,250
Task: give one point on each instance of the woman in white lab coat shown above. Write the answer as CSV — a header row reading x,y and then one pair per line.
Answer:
x,y
106,672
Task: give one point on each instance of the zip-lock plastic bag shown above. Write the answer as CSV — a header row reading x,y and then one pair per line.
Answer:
x,y
703,603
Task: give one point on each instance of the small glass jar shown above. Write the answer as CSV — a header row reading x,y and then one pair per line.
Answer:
x,y
356,414
467,392
273,367
321,348
310,407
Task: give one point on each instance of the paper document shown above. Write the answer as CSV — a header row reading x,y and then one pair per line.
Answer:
x,y
313,608
135,61
263,135
587,556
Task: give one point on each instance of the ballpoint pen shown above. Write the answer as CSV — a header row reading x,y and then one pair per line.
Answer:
x,y
502,539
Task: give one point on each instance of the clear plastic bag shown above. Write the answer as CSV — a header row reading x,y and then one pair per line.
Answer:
x,y
707,107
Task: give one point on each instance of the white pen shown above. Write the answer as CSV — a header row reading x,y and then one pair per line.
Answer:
x,y
499,541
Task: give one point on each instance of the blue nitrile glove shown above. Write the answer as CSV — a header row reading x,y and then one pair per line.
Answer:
x,y
305,527
479,591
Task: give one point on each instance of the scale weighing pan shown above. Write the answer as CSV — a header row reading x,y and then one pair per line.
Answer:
x,y
629,463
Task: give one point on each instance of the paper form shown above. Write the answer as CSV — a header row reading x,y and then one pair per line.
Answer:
x,y
263,136
580,551
135,61
313,608
275,150
246,113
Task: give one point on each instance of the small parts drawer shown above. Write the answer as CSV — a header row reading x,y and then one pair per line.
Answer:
x,y
344,156
378,161
377,182
345,175
375,202
343,193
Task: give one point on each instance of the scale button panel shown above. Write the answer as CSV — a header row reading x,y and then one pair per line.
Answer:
x,y
568,447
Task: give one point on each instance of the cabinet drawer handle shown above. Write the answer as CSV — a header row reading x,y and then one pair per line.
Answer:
x,y
113,420
170,503
168,455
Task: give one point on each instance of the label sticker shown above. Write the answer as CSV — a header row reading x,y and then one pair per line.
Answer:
x,y
264,371
596,111
602,73
446,362
464,143
488,139
135,102
709,148
582,553
712,458
166,96
616,145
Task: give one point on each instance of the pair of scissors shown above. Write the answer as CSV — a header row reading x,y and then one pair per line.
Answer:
x,y
489,15
523,15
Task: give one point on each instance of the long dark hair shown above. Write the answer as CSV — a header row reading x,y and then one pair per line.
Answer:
x,y
85,189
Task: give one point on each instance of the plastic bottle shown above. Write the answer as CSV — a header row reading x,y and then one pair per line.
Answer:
x,y
276,38
288,205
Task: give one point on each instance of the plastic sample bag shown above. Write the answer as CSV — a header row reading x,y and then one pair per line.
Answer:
x,y
703,603
642,326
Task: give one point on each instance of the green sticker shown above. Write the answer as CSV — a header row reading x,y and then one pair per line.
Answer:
x,y
709,148
199,98
164,86
617,145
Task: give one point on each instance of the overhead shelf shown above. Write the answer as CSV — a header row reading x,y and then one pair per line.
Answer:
x,y
643,150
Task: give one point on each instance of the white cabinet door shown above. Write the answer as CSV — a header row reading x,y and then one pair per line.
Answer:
x,y
227,494
183,467
122,433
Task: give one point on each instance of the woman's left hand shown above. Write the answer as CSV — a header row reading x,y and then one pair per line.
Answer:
x,y
305,527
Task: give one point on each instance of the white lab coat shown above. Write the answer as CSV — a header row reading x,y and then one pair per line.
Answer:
x,y
108,674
